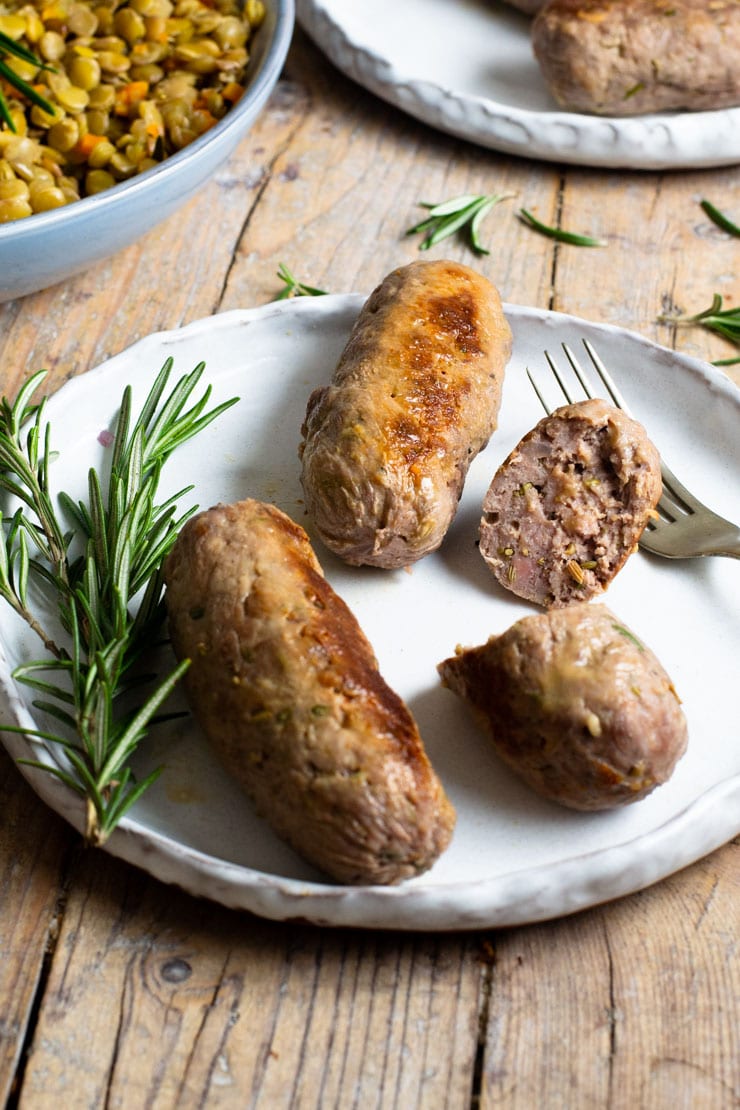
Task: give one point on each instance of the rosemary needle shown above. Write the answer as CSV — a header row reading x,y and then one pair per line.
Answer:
x,y
91,576
294,287
558,233
719,218
450,216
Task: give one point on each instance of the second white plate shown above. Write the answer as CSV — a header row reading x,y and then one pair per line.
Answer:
x,y
514,857
467,67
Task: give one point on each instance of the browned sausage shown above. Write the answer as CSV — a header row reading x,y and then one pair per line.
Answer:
x,y
414,398
627,57
576,705
286,687
567,507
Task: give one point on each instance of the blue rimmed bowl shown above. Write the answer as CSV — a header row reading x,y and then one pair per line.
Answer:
x,y
38,251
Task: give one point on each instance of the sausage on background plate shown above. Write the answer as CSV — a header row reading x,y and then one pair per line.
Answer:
x,y
576,705
566,509
629,57
287,690
387,445
529,7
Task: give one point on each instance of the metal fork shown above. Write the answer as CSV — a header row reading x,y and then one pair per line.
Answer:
x,y
685,528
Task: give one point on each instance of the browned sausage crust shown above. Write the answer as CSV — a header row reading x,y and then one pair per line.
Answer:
x,y
566,508
576,705
627,57
286,687
416,394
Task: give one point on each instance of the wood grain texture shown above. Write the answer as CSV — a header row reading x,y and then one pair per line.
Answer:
x,y
664,255
129,994
33,844
155,999
633,1004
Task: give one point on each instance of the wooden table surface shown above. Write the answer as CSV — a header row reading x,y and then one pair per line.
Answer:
x,y
117,991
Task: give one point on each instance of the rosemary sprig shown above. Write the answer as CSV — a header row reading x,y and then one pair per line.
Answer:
x,y
452,215
725,322
9,47
559,233
95,574
719,218
294,287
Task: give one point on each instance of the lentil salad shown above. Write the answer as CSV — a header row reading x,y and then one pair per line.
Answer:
x,y
129,81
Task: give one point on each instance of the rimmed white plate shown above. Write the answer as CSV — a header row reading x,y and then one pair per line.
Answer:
x,y
514,858
466,67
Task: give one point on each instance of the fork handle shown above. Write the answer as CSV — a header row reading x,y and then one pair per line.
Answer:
x,y
727,544
723,539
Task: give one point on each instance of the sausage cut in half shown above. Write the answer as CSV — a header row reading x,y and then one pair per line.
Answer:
x,y
568,506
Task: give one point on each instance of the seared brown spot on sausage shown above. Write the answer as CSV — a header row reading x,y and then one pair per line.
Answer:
x,y
457,315
431,406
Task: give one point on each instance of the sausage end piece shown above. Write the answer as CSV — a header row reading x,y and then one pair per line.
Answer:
x,y
576,705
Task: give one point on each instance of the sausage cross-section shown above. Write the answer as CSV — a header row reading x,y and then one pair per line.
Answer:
x,y
287,689
415,396
576,705
566,509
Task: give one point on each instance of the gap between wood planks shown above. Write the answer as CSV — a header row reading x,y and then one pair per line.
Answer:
x,y
69,867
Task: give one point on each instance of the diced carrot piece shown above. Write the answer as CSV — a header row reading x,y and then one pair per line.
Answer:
x,y
86,144
232,92
128,96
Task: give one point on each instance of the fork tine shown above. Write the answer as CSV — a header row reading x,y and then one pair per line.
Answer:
x,y
609,383
579,372
558,379
536,388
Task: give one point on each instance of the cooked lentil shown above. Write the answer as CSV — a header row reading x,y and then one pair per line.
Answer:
x,y
132,82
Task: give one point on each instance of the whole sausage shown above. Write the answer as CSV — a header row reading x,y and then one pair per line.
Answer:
x,y
566,509
576,705
629,57
287,690
387,445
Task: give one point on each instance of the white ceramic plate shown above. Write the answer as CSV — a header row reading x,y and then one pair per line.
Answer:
x,y
514,858
466,67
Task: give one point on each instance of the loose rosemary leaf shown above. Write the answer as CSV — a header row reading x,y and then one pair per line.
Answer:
x,y
88,682
294,287
451,216
720,219
559,233
722,321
